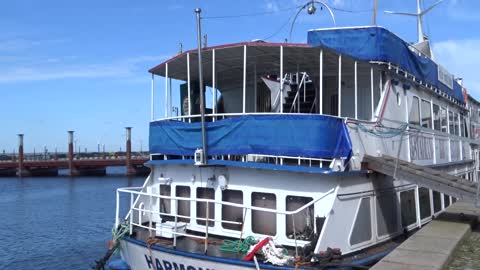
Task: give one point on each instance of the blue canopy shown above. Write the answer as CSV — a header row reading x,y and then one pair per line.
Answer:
x,y
378,44
315,136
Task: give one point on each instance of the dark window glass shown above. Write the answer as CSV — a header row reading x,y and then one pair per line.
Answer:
x,y
303,220
414,116
387,213
183,205
205,193
446,200
362,228
264,222
426,114
409,213
437,201
232,213
436,117
165,190
451,123
424,197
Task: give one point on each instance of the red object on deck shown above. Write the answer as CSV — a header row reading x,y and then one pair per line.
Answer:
x,y
262,243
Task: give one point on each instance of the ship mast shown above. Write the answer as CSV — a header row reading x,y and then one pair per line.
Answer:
x,y
419,15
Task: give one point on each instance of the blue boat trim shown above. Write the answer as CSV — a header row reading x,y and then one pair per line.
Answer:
x,y
257,165
361,262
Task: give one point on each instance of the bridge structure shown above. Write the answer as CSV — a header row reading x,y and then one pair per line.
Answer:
x,y
77,164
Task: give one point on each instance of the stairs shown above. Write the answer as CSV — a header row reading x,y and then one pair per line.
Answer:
x,y
304,102
423,176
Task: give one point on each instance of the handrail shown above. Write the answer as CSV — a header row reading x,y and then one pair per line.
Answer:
x,y
127,190
299,86
180,117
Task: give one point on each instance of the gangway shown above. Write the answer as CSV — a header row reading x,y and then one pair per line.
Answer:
x,y
423,176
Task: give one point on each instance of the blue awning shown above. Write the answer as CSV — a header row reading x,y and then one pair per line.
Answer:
x,y
378,44
300,135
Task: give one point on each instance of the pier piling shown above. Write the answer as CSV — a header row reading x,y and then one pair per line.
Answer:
x,y
21,169
128,153
71,167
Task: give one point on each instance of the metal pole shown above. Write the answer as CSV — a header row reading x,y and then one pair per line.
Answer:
x,y
214,91
321,83
200,79
339,85
356,90
375,9
166,91
20,155
188,88
244,78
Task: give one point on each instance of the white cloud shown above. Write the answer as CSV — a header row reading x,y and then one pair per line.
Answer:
x,y
461,57
53,70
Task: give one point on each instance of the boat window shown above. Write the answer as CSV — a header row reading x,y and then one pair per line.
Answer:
x,y
457,127
362,228
454,200
165,203
232,213
424,198
205,193
436,117
303,220
409,213
451,123
443,119
464,126
426,114
183,205
264,222
387,218
437,202
446,200
414,116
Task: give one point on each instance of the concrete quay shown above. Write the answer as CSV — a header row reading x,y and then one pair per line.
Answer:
x,y
432,247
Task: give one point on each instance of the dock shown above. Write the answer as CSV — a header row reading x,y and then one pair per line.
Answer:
x,y
432,247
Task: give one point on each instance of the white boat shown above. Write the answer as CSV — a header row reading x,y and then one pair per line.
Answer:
x,y
288,173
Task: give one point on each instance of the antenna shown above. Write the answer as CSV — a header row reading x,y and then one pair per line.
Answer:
x,y
310,5
375,9
419,16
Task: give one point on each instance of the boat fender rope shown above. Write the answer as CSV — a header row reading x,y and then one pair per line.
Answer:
x,y
275,255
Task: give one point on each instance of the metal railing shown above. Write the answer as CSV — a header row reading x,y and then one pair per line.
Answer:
x,y
297,95
135,206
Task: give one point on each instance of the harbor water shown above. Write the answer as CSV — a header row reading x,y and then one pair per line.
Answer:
x,y
467,255
57,222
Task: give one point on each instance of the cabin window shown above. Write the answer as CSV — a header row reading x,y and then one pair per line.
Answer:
x,y
303,220
463,126
362,228
446,200
183,205
451,124
264,222
436,117
457,126
454,200
426,114
387,218
424,198
165,190
414,116
232,213
437,202
407,202
205,193
443,119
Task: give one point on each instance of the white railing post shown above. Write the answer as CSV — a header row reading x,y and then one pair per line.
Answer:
x,y
188,89
321,83
449,137
176,221
281,79
244,78
214,90
166,91
152,101
131,213
356,89
371,93
206,227
117,211
433,134
150,225
417,207
339,85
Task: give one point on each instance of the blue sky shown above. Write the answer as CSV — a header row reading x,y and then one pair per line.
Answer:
x,y
82,65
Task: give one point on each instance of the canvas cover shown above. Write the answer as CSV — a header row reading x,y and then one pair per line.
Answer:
x,y
315,136
378,44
